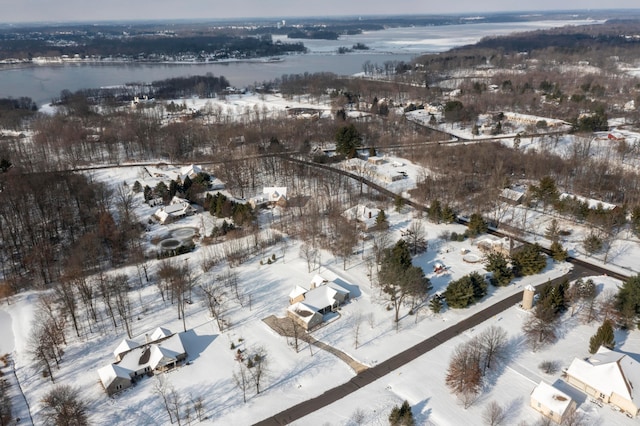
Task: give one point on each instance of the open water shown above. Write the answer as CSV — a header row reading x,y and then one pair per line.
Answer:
x,y
45,82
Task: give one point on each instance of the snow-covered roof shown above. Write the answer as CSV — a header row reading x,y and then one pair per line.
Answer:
x,y
317,280
161,356
320,297
160,333
608,372
110,372
275,193
135,359
124,346
511,194
303,311
364,214
552,398
337,287
174,208
532,119
173,344
191,171
177,208
593,204
297,291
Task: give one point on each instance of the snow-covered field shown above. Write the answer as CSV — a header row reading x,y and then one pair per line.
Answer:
x,y
295,377
422,382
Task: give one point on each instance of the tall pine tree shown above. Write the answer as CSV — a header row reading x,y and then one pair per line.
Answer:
x,y
603,337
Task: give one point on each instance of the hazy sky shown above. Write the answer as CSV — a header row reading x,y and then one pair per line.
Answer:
x,y
98,10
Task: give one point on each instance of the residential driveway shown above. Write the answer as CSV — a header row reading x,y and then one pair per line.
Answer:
x,y
372,374
285,327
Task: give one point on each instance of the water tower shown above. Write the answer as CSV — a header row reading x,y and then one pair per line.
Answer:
x,y
527,297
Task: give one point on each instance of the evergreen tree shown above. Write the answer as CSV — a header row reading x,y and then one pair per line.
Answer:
x,y
477,225
628,300
161,191
529,260
381,220
137,187
435,211
553,296
348,139
186,184
399,278
174,187
552,230
592,244
558,253
459,293
546,191
4,165
497,264
401,416
497,129
398,203
603,337
448,215
148,193
516,141
466,290
435,304
635,220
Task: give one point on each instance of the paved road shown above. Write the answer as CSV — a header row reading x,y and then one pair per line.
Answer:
x,y
374,373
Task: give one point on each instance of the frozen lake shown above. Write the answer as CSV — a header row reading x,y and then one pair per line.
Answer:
x,y
45,82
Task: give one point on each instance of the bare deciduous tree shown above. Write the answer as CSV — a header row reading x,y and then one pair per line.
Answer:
x,y
214,296
242,378
120,289
540,328
63,405
258,367
493,414
198,407
357,324
308,253
464,375
162,389
493,341
40,350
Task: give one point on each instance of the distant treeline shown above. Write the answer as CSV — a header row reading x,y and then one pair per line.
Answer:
x,y
13,111
144,48
204,86
613,34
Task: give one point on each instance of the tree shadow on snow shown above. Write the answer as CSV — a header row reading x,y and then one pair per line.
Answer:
x,y
421,412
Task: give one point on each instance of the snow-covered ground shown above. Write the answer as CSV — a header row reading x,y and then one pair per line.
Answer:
x,y
295,377
422,382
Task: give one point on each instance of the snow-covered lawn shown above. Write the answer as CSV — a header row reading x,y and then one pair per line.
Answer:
x,y
295,377
422,382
